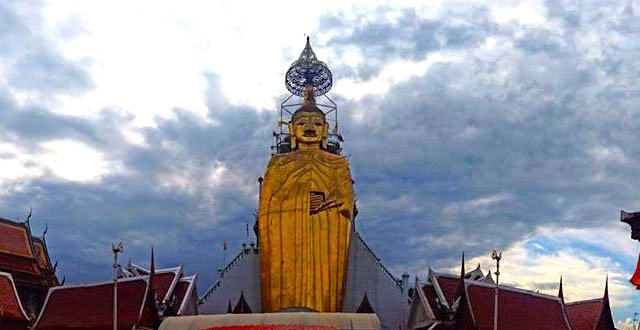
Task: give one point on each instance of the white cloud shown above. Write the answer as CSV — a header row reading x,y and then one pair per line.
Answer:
x,y
74,161
627,324
475,205
538,262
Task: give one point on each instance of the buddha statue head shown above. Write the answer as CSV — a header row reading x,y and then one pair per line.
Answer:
x,y
308,127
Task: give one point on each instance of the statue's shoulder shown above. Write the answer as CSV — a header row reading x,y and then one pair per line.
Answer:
x,y
284,159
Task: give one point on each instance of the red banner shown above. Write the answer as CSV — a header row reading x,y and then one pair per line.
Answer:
x,y
635,279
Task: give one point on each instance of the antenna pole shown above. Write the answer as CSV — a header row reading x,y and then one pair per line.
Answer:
x,y
115,249
495,255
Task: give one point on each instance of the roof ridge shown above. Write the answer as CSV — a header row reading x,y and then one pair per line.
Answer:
x,y
584,301
512,289
89,285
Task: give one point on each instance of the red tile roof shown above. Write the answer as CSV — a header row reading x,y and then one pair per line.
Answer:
x,y
164,282
24,256
180,293
169,285
450,286
10,306
41,254
15,239
89,307
584,314
432,297
183,292
518,309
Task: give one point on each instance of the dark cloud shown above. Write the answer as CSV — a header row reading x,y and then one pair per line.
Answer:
x,y
166,195
32,61
484,150
408,36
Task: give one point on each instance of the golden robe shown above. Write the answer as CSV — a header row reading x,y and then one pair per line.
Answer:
x,y
305,224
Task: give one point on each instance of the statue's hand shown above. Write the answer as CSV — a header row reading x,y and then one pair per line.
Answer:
x,y
346,213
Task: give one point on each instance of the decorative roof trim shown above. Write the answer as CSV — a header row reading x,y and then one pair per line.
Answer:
x,y
192,283
565,315
178,274
433,278
138,267
475,274
423,299
15,291
144,299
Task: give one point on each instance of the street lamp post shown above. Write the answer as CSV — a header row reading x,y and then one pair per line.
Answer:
x,y
495,255
115,249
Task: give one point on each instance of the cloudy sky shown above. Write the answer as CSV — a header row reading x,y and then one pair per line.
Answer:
x,y
469,126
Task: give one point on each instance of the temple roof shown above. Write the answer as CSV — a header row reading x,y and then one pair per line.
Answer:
x,y
170,285
15,239
184,290
24,256
591,314
10,304
584,314
518,309
63,305
447,286
165,280
432,299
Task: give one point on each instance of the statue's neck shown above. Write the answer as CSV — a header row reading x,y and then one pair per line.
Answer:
x,y
308,146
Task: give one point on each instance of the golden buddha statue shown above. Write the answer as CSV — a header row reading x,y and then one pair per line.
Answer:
x,y
305,219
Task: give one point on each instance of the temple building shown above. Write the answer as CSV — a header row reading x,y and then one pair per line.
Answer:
x,y
25,262
466,302
145,298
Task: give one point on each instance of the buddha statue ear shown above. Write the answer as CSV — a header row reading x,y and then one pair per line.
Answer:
x,y
292,137
325,136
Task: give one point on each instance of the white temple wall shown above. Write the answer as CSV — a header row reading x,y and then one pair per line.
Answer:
x,y
367,275
241,276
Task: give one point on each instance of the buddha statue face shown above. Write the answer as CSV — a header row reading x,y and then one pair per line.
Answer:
x,y
309,128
